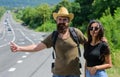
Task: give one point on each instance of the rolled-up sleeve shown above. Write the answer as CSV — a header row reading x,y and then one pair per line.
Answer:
x,y
48,41
82,37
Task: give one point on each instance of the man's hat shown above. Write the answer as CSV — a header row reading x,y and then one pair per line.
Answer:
x,y
63,12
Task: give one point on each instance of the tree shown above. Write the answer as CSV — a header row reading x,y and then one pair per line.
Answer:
x,y
2,10
76,11
64,3
94,9
26,15
35,17
43,14
86,10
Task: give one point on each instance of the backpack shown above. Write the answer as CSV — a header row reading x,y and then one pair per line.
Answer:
x,y
74,37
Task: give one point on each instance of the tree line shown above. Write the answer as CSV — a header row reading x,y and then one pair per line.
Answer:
x,y
2,11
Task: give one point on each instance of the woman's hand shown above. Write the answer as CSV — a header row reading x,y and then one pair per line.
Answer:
x,y
93,70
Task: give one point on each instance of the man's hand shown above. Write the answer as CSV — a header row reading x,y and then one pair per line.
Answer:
x,y
14,47
104,39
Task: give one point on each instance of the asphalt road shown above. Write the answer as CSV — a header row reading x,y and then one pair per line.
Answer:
x,y
23,64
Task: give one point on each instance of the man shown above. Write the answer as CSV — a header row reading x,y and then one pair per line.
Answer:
x,y
67,57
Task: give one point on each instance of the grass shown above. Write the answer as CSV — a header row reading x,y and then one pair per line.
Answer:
x,y
115,70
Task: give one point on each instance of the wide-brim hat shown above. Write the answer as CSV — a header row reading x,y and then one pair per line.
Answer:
x,y
63,12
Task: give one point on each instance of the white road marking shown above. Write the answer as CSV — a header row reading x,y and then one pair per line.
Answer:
x,y
3,34
19,61
27,53
12,69
13,36
26,37
21,43
24,56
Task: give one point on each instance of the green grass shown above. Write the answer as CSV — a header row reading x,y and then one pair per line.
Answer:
x,y
115,70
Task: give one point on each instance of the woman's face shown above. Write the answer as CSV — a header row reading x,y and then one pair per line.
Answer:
x,y
94,29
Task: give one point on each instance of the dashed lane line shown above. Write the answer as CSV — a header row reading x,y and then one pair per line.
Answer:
x,y
12,69
24,56
19,61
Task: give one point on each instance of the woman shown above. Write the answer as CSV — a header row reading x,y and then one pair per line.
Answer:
x,y
97,52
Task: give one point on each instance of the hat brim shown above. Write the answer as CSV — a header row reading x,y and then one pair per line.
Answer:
x,y
70,15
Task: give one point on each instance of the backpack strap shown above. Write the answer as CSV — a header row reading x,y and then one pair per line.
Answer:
x,y
54,39
75,38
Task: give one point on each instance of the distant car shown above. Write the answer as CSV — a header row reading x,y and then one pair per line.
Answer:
x,y
9,29
24,24
5,20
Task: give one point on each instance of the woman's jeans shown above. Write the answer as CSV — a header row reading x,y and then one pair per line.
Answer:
x,y
99,73
66,76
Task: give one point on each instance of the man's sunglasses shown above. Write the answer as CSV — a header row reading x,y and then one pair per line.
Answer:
x,y
93,28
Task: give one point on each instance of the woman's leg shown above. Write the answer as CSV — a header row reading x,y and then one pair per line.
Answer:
x,y
101,73
88,74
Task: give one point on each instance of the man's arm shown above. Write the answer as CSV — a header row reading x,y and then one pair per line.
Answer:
x,y
30,48
83,39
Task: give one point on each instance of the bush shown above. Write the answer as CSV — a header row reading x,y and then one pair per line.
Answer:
x,y
47,27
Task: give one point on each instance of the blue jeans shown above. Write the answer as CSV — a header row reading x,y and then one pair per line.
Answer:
x,y
66,76
99,73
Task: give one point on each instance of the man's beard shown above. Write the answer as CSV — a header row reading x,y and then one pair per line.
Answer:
x,y
62,27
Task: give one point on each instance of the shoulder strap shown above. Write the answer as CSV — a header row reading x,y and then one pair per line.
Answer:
x,y
54,38
75,38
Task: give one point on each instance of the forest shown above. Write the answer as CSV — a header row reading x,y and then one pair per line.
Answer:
x,y
40,19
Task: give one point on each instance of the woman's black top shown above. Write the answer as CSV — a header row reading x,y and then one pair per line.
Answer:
x,y
95,55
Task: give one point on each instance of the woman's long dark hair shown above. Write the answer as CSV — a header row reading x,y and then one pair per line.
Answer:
x,y
101,31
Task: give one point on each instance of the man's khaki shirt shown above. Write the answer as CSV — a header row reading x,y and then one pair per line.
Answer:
x,y
67,55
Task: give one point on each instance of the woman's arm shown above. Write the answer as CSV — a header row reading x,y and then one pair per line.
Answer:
x,y
107,64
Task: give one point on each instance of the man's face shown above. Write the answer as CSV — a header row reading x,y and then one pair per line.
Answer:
x,y
61,19
62,24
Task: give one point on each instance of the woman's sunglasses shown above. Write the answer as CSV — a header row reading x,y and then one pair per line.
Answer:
x,y
93,28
